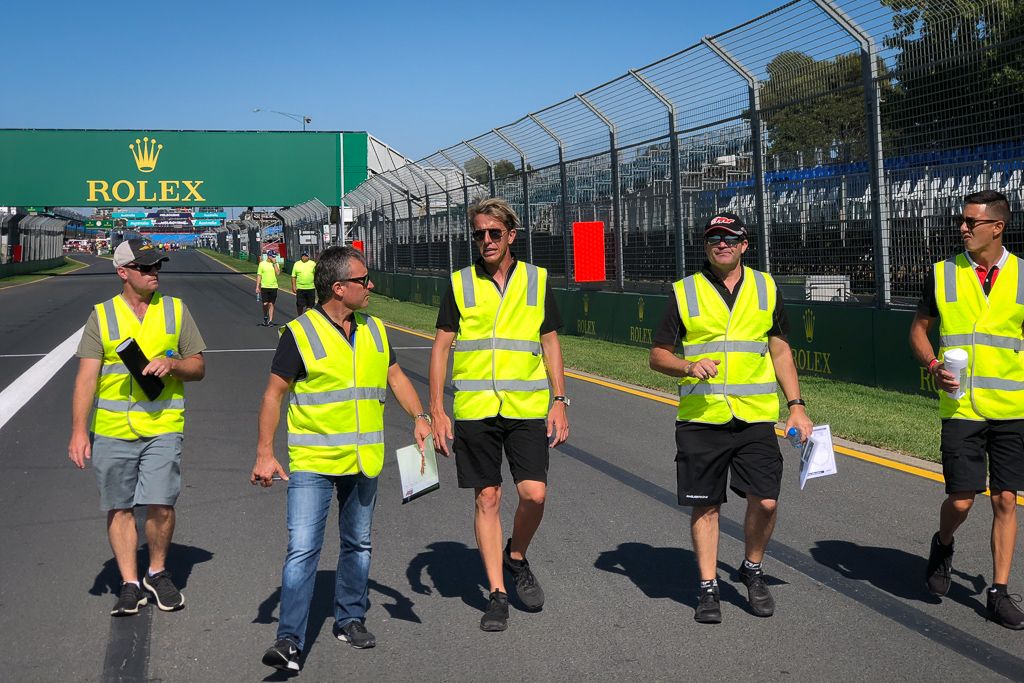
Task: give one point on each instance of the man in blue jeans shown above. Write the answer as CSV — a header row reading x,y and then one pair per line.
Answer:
x,y
335,365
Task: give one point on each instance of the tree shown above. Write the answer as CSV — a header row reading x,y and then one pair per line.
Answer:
x,y
476,168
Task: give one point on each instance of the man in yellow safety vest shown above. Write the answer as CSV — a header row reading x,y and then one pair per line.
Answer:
x,y
503,319
978,298
134,441
334,364
732,324
302,284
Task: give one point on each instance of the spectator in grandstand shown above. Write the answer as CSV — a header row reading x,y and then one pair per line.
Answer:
x,y
977,299
502,315
302,284
725,426
266,287
335,444
134,441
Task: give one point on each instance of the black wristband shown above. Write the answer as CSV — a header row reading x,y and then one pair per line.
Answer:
x,y
795,402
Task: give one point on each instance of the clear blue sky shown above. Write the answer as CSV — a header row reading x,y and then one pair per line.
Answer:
x,y
417,75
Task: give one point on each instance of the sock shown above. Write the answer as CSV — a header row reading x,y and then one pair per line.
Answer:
x,y
941,544
152,573
751,566
707,585
997,588
134,583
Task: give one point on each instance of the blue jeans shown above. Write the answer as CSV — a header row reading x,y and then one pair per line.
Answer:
x,y
309,501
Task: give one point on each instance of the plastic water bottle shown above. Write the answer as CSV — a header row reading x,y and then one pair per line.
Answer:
x,y
794,437
257,297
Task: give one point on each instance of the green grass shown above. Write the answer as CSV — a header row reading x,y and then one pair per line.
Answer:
x,y
887,419
238,264
69,265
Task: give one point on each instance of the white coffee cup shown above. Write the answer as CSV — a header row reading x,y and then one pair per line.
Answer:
x,y
955,362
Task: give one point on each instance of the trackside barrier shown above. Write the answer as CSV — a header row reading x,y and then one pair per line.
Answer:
x,y
28,267
852,344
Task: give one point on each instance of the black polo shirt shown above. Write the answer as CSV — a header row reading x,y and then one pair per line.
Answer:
x,y
287,363
448,312
671,331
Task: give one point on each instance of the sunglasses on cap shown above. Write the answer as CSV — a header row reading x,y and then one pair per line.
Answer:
x,y
364,280
144,269
494,233
730,240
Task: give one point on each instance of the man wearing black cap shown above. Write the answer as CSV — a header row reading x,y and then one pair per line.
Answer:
x,y
134,440
730,320
302,284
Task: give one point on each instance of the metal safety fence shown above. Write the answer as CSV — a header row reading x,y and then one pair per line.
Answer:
x,y
844,133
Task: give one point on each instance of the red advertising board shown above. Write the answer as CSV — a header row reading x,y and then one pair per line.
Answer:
x,y
358,244
588,251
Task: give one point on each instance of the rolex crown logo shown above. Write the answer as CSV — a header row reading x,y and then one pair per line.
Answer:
x,y
145,152
586,305
640,309
809,325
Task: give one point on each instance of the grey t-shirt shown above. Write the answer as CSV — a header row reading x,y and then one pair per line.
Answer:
x,y
190,341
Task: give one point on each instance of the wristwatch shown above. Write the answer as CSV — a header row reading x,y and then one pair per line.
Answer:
x,y
425,416
563,399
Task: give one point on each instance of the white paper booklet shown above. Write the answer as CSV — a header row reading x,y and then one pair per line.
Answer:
x,y
818,459
418,471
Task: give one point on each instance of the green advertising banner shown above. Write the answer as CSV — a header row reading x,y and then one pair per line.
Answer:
x,y
174,168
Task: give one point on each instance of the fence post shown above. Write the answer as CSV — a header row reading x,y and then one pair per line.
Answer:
x,y
756,141
466,227
564,181
613,153
873,119
673,145
490,166
525,218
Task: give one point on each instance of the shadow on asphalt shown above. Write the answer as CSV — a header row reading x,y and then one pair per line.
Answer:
x,y
180,561
454,570
896,572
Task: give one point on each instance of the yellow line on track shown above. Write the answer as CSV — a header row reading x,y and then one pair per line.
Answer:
x,y
867,457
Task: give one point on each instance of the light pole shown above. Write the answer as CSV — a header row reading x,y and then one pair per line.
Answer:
x,y
301,118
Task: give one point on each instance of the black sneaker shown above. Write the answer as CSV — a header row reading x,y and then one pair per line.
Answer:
x,y
709,606
283,655
128,603
168,597
529,591
761,601
355,634
940,566
1002,608
495,618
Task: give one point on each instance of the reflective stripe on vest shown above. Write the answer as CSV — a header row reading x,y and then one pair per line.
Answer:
x,y
319,398
140,406
988,328
334,440
498,366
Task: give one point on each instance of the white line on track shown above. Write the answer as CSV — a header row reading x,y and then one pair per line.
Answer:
x,y
20,391
23,355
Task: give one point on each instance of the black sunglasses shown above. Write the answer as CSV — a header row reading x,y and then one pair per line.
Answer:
x,y
364,280
494,233
144,269
972,222
730,240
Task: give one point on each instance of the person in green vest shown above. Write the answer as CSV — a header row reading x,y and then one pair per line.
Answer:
x,y
266,286
334,364
302,284
733,328
134,442
503,319
977,297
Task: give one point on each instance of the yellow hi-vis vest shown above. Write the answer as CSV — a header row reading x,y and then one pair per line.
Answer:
x,y
989,330
336,414
745,385
303,274
122,409
498,367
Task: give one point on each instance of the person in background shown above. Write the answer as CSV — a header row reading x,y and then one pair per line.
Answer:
x,y
266,286
302,284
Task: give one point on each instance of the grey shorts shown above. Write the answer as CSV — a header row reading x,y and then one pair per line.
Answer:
x,y
140,472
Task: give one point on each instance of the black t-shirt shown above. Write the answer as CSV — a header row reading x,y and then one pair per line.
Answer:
x,y
671,331
288,363
448,312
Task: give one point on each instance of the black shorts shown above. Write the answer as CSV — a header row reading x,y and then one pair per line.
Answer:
x,y
306,298
964,444
268,296
478,446
705,454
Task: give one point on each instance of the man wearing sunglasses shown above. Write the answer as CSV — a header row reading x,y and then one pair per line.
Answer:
x,y
733,327
978,299
135,442
266,286
334,364
502,317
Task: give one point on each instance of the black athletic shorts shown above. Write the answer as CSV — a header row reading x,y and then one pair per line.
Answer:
x,y
964,444
479,443
268,296
306,298
705,454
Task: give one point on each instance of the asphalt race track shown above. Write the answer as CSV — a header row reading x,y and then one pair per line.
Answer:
x,y
846,562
